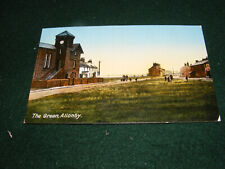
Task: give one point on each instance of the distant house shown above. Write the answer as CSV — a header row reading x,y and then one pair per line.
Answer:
x,y
93,71
156,70
58,61
200,69
84,70
87,69
185,70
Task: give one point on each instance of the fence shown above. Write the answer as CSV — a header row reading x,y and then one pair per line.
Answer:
x,y
63,82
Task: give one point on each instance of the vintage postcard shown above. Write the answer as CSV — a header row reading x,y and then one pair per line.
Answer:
x,y
122,74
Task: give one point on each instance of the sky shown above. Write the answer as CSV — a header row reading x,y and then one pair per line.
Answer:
x,y
132,50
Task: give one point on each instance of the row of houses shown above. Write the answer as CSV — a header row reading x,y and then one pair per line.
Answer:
x,y
199,69
63,60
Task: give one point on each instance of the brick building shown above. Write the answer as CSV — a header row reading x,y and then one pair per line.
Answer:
x,y
200,69
156,70
58,61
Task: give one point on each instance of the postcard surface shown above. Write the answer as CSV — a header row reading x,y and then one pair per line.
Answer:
x,y
122,74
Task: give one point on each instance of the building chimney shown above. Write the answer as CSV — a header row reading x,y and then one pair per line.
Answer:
x,y
82,59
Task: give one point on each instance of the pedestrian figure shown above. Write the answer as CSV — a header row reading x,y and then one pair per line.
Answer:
x,y
171,77
168,79
123,79
136,79
130,79
186,78
165,78
71,75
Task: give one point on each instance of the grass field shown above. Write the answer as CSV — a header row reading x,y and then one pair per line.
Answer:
x,y
145,101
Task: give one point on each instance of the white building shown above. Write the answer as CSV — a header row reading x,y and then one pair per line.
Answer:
x,y
87,69
93,71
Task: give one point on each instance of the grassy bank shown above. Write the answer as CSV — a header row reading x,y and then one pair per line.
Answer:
x,y
146,101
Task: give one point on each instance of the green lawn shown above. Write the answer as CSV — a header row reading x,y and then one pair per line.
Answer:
x,y
145,101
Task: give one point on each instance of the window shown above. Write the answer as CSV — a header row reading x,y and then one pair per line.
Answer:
x,y
49,60
74,64
45,60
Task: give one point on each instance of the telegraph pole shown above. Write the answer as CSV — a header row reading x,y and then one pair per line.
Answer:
x,y
99,64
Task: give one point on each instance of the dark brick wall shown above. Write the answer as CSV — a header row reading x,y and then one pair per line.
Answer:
x,y
68,68
198,71
153,71
60,74
40,73
39,84
63,82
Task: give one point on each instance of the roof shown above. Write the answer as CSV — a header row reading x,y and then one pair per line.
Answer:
x,y
65,33
46,45
77,46
200,62
156,64
92,66
82,64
